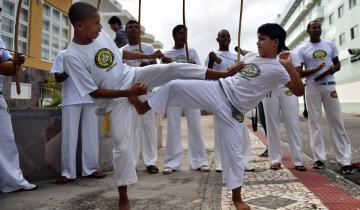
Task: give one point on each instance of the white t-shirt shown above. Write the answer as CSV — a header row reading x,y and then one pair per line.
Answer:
x,y
260,75
313,54
69,94
228,58
98,65
179,55
295,62
4,56
146,48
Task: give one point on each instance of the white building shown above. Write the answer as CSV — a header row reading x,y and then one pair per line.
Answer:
x,y
340,23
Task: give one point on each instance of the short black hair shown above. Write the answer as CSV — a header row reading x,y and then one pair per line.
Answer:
x,y
177,29
80,11
274,31
131,22
311,22
114,19
223,30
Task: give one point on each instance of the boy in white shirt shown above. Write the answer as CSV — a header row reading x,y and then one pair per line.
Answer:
x,y
321,90
173,150
221,60
145,131
230,98
94,63
76,109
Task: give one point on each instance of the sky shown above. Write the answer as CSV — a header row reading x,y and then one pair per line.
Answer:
x,y
204,19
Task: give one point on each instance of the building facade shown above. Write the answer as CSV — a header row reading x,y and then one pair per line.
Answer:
x,y
340,23
44,30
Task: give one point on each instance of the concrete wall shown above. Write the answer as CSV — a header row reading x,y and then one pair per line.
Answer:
x,y
38,139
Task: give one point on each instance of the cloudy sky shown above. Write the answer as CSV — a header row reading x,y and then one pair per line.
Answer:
x,y
204,18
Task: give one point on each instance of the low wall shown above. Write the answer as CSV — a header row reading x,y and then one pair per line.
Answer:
x,y
38,139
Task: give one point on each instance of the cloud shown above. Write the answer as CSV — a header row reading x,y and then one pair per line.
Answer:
x,y
204,19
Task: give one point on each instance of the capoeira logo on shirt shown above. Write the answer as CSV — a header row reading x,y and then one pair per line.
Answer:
x,y
334,94
104,58
320,54
250,70
288,93
181,59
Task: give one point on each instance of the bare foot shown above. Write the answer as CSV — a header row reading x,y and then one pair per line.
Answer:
x,y
241,205
124,204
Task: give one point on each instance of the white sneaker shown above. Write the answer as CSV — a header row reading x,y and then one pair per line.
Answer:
x,y
29,187
218,169
204,168
249,168
168,170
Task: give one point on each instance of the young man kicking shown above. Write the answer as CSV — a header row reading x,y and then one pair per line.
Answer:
x,y
230,98
94,63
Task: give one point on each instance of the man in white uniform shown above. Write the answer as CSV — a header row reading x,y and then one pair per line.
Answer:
x,y
320,90
221,60
76,109
95,65
145,131
281,99
173,149
230,98
11,177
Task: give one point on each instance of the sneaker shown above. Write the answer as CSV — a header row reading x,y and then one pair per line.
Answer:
x,y
29,187
204,168
318,165
348,169
218,169
168,170
249,168
152,169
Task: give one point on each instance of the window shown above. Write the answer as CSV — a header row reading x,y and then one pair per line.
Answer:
x,y
341,11
7,29
331,18
354,32
342,39
352,4
55,32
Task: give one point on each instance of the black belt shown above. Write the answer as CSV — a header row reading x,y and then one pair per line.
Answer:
x,y
328,83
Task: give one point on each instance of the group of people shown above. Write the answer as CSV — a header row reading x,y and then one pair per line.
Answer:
x,y
120,77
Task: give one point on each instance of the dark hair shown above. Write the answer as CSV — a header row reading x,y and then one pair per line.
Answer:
x,y
311,22
80,11
274,31
131,22
177,29
114,19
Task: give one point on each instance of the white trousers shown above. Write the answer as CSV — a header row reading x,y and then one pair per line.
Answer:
x,y
122,115
247,150
72,117
145,138
282,100
11,177
327,96
173,149
208,95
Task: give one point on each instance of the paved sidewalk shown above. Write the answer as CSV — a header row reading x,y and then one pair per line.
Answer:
x,y
194,190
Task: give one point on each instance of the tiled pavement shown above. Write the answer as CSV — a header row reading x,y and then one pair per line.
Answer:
x,y
287,189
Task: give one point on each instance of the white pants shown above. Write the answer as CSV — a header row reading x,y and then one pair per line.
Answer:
x,y
208,95
281,99
122,115
11,177
145,138
72,115
326,95
173,149
247,151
